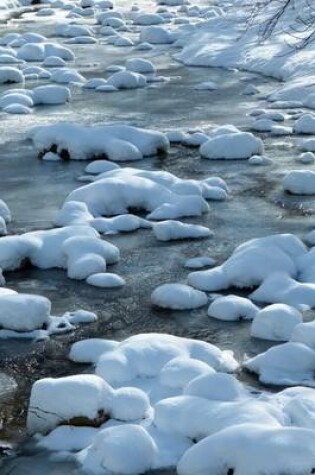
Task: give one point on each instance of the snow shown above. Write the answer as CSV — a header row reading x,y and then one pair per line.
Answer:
x,y
249,449
130,404
215,387
140,65
271,254
147,19
289,364
101,166
174,230
126,80
300,182
23,312
105,280
232,307
178,372
305,124
304,333
156,35
116,192
5,212
276,322
199,262
89,351
206,86
50,404
178,297
68,438
144,355
51,94
9,75
125,450
117,143
233,146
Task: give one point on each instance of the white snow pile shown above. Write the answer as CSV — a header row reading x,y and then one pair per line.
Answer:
x,y
78,249
199,262
118,191
10,75
276,322
156,35
300,182
178,297
115,142
41,51
127,80
231,308
41,95
28,316
147,19
249,449
5,218
289,364
140,65
71,31
305,125
232,146
173,230
252,262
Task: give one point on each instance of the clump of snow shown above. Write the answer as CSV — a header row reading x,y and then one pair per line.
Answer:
x,y
178,297
199,262
127,80
105,280
300,182
51,406
10,75
117,143
174,230
271,254
156,35
249,449
289,364
276,322
140,65
23,312
232,307
305,125
125,450
233,146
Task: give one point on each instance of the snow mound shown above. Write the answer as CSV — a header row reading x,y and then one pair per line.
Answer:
x,y
249,449
125,450
232,307
156,35
127,80
174,230
50,405
105,280
23,312
232,146
140,65
305,125
178,297
10,75
117,143
145,355
137,190
215,387
289,364
276,322
271,254
300,182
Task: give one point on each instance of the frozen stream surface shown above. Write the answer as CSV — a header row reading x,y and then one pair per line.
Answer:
x,y
34,190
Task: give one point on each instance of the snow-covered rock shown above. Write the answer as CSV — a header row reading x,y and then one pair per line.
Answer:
x,y
178,297
305,125
105,280
174,230
232,307
23,312
289,364
127,80
117,143
276,322
140,65
10,75
156,35
300,182
233,146
51,406
124,449
249,449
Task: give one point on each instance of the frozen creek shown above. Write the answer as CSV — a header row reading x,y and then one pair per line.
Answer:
x,y
35,190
